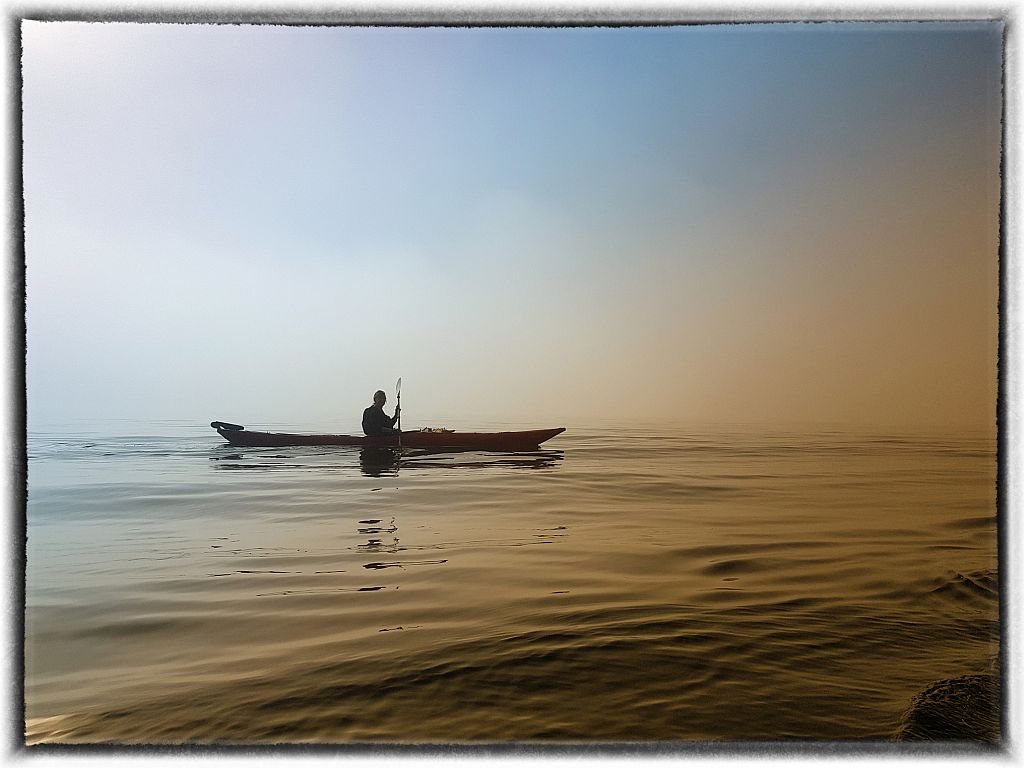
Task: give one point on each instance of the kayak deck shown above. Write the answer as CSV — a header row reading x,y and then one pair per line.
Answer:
x,y
527,440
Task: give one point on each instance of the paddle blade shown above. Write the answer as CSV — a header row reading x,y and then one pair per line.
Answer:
x,y
398,386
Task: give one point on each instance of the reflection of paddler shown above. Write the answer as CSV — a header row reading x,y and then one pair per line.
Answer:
x,y
376,461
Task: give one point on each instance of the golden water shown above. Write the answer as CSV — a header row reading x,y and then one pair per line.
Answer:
x,y
667,584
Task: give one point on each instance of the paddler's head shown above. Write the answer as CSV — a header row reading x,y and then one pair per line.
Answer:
x,y
379,398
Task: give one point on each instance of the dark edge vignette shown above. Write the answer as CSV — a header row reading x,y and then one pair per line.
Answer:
x,y
1003,560
483,14
16,434
492,13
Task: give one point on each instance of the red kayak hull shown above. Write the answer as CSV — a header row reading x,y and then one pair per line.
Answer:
x,y
481,441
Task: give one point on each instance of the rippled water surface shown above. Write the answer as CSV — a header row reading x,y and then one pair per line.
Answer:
x,y
616,586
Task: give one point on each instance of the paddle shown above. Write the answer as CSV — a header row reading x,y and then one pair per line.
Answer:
x,y
398,395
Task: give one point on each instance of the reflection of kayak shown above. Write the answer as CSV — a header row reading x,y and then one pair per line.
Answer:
x,y
482,441
375,462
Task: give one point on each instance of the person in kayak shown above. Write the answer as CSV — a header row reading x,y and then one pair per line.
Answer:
x,y
376,423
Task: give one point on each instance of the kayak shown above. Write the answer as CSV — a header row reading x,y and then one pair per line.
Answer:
x,y
528,440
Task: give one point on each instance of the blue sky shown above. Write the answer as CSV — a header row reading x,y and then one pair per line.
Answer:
x,y
781,223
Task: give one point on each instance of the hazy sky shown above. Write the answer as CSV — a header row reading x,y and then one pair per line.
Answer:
x,y
781,223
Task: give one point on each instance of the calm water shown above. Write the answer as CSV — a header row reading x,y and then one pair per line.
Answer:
x,y
674,585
